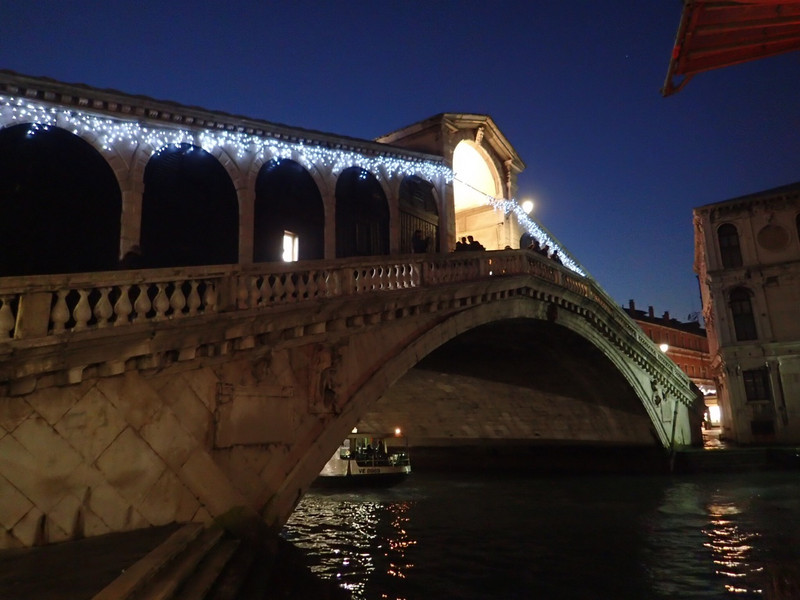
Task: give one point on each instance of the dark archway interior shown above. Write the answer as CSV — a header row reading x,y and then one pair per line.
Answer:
x,y
418,211
362,215
287,199
60,204
190,211
515,382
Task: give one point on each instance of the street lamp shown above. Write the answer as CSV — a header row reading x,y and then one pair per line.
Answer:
x,y
527,206
664,347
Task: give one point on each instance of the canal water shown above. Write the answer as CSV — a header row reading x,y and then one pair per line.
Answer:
x,y
441,536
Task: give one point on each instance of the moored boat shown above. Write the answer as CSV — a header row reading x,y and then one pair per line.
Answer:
x,y
368,458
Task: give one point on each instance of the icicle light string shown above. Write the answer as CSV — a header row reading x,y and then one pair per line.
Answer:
x,y
111,132
531,226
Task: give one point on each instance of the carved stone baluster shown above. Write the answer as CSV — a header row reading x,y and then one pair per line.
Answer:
x,y
255,292
122,307
291,294
103,309
210,297
278,289
7,320
242,291
177,301
161,303
193,302
323,279
311,285
82,312
142,304
59,315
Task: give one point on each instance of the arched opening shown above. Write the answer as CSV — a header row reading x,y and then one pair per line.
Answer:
x,y
362,215
288,205
190,212
514,383
475,181
744,323
730,253
60,203
418,212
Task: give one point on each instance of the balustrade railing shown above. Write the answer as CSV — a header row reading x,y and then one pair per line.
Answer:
x,y
39,306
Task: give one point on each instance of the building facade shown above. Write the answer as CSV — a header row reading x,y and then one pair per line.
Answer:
x,y
686,344
747,257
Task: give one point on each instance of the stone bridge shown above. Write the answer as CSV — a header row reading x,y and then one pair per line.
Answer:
x,y
209,380
137,398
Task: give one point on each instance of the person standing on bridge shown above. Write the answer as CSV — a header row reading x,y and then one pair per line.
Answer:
x,y
419,244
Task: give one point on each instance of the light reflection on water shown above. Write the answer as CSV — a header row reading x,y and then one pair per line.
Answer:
x,y
451,536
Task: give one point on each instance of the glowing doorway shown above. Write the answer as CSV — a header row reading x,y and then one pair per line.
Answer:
x,y
476,180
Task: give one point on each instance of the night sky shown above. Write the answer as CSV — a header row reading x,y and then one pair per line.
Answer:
x,y
614,168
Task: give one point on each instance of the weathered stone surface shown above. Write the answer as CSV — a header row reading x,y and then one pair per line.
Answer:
x,y
132,396
91,424
168,501
13,411
167,437
131,466
38,462
13,504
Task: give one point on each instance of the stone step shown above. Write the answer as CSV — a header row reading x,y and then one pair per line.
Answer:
x,y
143,571
182,569
208,574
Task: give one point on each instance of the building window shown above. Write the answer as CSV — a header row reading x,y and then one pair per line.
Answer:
x,y
744,322
729,250
756,385
291,245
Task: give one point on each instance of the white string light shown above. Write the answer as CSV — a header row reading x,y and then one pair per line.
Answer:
x,y
531,226
111,132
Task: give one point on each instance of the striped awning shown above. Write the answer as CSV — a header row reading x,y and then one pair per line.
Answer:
x,y
714,34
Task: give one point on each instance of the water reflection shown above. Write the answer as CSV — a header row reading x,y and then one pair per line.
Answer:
x,y
660,538
349,536
732,548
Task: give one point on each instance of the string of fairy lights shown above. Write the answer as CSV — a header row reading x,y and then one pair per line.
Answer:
x,y
111,133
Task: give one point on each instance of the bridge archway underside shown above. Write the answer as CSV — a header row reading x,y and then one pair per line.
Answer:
x,y
237,408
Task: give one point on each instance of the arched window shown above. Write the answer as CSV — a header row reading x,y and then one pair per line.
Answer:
x,y
418,212
797,225
362,215
729,250
60,203
190,211
744,323
289,219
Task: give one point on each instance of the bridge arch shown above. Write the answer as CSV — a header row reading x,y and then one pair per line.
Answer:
x,y
61,204
381,365
419,210
476,179
287,199
362,214
190,209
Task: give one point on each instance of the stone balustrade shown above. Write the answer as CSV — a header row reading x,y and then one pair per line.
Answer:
x,y
40,306
48,306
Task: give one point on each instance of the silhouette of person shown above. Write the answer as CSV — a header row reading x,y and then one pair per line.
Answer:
x,y
419,244
474,244
133,258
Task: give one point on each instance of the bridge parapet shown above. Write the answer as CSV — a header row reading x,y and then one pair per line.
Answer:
x,y
47,310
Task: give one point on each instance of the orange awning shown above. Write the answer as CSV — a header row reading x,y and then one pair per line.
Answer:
x,y
714,34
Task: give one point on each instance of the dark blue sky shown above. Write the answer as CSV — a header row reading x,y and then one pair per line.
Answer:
x,y
614,168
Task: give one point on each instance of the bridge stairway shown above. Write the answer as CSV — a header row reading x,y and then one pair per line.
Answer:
x,y
198,563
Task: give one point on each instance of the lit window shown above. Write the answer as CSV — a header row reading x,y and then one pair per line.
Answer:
x,y
291,243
